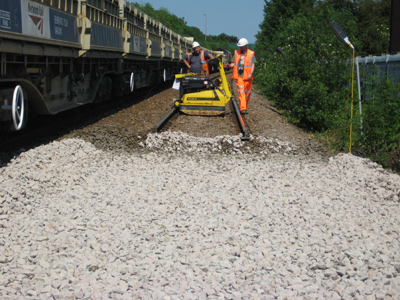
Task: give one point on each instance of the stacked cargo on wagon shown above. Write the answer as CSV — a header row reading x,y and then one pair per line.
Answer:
x,y
61,54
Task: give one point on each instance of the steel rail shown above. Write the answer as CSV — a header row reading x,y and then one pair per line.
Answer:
x,y
241,121
165,118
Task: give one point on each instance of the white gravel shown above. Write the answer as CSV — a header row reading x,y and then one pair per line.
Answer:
x,y
182,142
80,223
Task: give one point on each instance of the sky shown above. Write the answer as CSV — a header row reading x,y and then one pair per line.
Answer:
x,y
233,17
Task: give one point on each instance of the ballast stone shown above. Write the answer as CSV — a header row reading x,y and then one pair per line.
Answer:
x,y
156,224
179,141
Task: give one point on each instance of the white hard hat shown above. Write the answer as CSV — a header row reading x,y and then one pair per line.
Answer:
x,y
195,44
242,42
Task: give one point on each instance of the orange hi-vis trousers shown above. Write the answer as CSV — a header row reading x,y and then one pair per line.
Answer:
x,y
244,91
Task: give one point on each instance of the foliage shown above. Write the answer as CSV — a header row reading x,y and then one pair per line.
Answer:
x,y
303,80
307,72
277,12
373,26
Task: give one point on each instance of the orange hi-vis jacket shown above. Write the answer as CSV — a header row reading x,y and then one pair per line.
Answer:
x,y
248,58
204,64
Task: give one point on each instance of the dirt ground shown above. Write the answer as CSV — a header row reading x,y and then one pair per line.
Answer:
x,y
131,125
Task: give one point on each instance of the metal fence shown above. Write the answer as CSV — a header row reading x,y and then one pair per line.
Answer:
x,y
373,71
383,67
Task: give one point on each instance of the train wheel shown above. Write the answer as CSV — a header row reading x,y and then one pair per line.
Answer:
x,y
18,109
132,81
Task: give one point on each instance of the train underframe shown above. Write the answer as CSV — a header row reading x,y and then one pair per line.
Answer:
x,y
47,85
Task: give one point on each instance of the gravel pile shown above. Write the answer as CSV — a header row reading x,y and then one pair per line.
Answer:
x,y
179,141
80,223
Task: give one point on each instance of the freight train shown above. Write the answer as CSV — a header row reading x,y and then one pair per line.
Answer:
x,y
60,54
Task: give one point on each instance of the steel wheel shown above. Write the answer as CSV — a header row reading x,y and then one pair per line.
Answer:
x,y
18,108
132,81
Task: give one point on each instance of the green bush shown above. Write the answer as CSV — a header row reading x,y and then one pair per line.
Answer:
x,y
310,80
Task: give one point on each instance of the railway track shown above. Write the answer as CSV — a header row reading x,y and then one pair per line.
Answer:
x,y
232,109
207,97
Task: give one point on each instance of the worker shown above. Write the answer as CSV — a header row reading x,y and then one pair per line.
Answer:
x,y
196,61
243,69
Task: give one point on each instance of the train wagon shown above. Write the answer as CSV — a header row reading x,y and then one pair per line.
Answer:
x,y
60,54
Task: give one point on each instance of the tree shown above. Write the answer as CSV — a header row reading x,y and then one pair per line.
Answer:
x,y
374,26
277,12
308,81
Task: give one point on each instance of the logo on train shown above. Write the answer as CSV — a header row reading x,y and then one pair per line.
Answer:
x,y
5,19
36,14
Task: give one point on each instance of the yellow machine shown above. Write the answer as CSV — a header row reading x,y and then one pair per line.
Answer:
x,y
205,97
201,95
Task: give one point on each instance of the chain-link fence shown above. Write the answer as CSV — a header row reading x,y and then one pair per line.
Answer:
x,y
378,79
